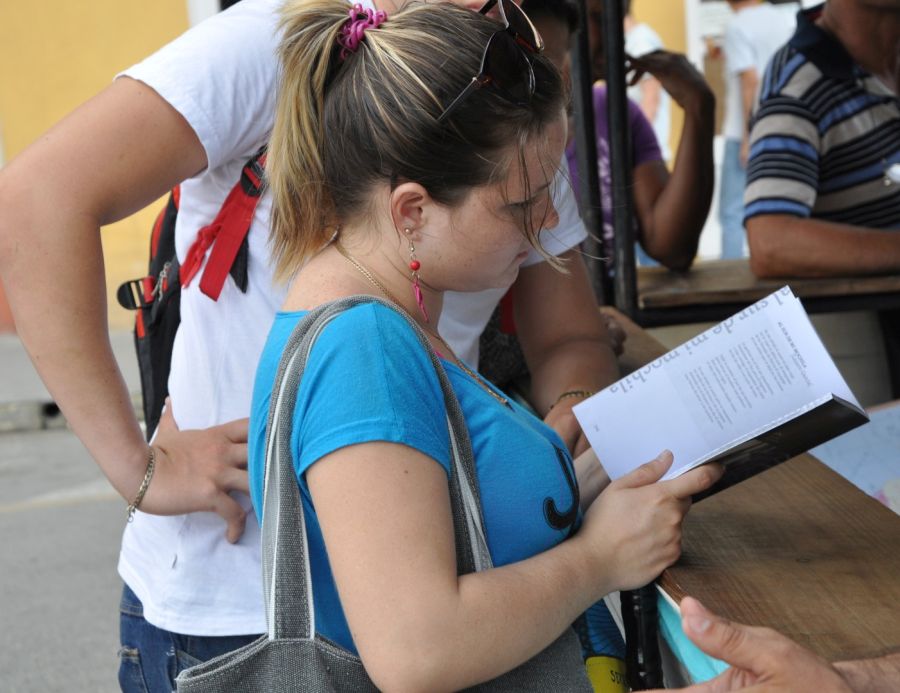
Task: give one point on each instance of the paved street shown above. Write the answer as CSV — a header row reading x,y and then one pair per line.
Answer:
x,y
60,524
60,529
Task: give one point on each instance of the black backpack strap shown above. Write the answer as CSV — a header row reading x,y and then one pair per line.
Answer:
x,y
156,297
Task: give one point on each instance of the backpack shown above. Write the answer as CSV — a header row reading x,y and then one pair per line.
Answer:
x,y
155,298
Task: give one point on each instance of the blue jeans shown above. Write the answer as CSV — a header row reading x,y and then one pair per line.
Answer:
x,y
731,201
150,658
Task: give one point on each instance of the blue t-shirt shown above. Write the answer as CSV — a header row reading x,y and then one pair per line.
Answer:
x,y
369,379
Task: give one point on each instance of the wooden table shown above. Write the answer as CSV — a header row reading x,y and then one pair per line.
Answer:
x,y
714,289
799,549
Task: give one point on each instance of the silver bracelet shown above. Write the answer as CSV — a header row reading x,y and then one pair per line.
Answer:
x,y
145,484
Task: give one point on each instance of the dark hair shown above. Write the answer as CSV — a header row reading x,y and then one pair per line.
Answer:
x,y
342,127
561,10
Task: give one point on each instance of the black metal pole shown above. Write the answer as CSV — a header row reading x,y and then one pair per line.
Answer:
x,y
639,612
640,618
625,278
586,157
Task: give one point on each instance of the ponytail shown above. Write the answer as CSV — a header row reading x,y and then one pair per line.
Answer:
x,y
303,209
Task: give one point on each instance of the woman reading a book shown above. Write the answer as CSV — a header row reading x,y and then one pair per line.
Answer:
x,y
413,155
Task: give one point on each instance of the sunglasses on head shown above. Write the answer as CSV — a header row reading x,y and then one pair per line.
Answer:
x,y
505,64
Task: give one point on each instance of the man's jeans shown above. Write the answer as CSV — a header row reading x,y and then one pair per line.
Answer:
x,y
151,658
731,201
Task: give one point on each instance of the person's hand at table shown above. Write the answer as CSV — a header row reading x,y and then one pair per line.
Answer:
x,y
761,659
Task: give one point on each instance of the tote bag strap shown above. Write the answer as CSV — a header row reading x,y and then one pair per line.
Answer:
x,y
285,560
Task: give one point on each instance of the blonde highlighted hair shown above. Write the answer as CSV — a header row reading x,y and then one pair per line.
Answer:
x,y
343,126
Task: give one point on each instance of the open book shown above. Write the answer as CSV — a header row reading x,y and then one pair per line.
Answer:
x,y
751,392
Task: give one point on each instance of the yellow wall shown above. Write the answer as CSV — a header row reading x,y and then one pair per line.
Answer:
x,y
55,54
667,19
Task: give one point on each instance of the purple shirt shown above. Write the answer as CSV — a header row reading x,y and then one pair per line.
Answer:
x,y
644,148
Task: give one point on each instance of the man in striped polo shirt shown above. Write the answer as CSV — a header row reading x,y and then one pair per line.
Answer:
x,y
823,177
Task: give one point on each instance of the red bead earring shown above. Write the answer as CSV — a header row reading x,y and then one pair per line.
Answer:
x,y
414,266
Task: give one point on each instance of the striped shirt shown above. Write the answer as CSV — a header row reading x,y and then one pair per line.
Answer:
x,y
823,136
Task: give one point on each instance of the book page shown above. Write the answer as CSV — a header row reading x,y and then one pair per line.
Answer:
x,y
716,390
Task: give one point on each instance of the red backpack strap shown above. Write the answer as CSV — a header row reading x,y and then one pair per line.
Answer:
x,y
227,232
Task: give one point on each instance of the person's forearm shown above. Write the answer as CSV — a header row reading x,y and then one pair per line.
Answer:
x,y
786,246
112,156
567,375
550,591
46,275
565,341
672,233
387,522
587,364
493,621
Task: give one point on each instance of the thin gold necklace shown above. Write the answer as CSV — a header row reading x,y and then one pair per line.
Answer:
x,y
364,271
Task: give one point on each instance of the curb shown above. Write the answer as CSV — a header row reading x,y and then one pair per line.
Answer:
x,y
37,415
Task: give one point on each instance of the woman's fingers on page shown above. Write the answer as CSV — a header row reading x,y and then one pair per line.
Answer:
x,y
648,473
666,457
696,480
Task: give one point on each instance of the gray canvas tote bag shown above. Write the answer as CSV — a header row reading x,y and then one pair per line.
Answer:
x,y
290,656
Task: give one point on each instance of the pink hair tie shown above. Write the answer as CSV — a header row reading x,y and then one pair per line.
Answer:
x,y
354,29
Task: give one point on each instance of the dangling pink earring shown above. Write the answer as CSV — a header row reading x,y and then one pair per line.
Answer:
x,y
414,266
